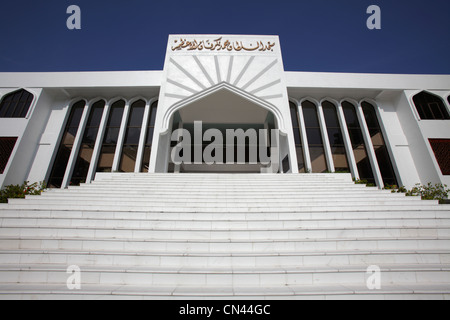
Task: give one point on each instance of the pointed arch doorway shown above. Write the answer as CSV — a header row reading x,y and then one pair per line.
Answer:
x,y
226,109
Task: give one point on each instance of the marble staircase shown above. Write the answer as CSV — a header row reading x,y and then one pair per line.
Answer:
x,y
224,236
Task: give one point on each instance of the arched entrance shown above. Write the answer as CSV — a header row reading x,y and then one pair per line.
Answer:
x,y
237,131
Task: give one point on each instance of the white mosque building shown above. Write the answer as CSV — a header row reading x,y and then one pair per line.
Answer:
x,y
90,128
65,127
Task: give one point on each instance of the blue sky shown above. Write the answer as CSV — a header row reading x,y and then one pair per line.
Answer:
x,y
318,35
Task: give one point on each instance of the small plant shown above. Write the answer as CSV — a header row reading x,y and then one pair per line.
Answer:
x,y
363,181
429,191
20,191
390,187
401,190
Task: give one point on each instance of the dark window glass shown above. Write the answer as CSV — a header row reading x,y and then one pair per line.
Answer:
x,y
379,145
6,148
298,141
358,145
87,144
149,138
430,107
314,136
65,147
441,149
310,115
132,134
315,142
356,136
335,137
108,150
16,104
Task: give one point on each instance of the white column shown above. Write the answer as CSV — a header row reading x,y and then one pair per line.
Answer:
x,y
76,146
326,141
369,147
121,138
143,136
98,143
347,143
305,145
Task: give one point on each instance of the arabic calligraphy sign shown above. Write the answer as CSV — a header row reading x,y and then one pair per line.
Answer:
x,y
221,45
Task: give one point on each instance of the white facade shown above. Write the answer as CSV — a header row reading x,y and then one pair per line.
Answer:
x,y
225,80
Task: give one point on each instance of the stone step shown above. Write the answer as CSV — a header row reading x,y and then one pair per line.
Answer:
x,y
117,176
208,190
219,184
167,223
297,292
215,200
224,259
257,277
215,195
435,212
227,245
224,182
156,232
217,203
231,194
256,208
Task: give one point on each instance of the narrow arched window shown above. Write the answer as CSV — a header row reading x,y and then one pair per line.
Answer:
x,y
149,138
109,145
358,144
430,106
314,134
132,136
298,141
66,145
84,157
335,137
16,104
379,144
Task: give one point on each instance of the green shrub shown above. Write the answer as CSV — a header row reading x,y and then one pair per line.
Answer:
x,y
20,191
367,183
438,191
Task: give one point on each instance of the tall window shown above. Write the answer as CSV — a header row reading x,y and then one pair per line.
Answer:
x,y
379,145
66,145
358,145
106,158
297,139
315,142
16,104
87,144
6,148
430,106
335,137
132,135
149,138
